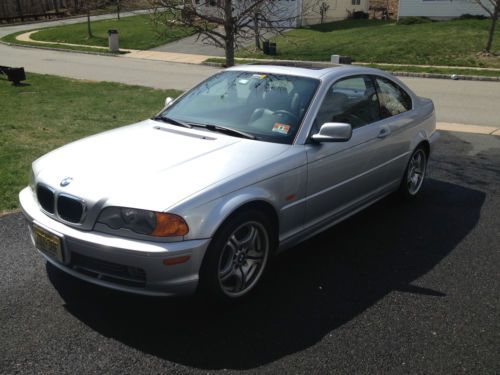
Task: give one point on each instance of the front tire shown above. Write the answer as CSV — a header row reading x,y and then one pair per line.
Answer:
x,y
415,172
238,256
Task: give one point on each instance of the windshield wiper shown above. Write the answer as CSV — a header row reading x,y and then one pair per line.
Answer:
x,y
172,121
223,129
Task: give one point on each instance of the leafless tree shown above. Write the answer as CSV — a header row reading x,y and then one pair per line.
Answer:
x,y
492,7
89,6
228,23
323,9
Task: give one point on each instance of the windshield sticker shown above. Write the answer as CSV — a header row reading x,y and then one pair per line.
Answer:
x,y
259,76
281,128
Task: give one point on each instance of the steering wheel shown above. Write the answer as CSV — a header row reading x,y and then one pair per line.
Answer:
x,y
295,118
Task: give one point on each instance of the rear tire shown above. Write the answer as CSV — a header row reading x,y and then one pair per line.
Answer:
x,y
237,256
414,175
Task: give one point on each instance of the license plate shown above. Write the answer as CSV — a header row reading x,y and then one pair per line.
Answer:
x,y
48,243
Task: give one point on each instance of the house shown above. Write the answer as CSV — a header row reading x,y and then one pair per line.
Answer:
x,y
297,13
439,9
336,10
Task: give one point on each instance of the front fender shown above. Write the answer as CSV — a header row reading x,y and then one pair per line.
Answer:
x,y
204,220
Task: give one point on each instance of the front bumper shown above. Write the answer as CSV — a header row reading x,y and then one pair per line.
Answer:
x,y
119,263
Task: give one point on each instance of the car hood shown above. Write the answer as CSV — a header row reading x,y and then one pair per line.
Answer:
x,y
149,165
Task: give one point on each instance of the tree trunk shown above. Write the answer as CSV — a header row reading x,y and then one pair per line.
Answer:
x,y
118,9
19,9
492,27
256,30
56,6
89,29
229,31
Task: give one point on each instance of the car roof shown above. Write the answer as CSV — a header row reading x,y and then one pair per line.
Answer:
x,y
315,70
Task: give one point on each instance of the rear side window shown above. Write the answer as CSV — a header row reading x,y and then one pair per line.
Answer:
x,y
393,99
352,100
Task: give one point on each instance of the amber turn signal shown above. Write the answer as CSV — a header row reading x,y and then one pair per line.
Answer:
x,y
168,225
176,260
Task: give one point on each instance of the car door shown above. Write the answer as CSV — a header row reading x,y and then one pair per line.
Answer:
x,y
400,120
344,175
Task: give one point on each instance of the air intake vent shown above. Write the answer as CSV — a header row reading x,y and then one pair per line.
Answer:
x,y
45,197
108,271
70,209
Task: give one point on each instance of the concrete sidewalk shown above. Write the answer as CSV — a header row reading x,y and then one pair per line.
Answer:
x,y
131,53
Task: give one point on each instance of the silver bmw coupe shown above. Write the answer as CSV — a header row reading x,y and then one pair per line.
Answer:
x,y
251,161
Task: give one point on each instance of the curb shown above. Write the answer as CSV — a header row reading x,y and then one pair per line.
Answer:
x,y
9,212
454,77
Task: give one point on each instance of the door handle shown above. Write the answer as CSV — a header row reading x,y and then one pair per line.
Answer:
x,y
384,132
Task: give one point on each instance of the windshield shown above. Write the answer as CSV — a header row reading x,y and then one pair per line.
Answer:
x,y
269,107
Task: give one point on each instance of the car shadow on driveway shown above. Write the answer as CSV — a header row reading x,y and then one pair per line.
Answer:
x,y
311,290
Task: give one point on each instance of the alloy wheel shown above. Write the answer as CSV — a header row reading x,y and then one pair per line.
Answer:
x,y
243,258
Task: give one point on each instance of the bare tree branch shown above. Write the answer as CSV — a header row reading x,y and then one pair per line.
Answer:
x,y
492,7
229,23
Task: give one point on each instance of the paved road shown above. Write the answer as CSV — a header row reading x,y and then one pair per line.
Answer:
x,y
399,288
456,101
463,102
157,74
466,102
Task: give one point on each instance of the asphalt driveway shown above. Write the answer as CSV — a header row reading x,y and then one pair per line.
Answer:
x,y
399,288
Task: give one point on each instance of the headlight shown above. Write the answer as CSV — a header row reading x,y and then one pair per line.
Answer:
x,y
149,223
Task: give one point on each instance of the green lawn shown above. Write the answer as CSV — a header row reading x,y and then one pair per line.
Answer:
x,y
136,32
453,42
53,111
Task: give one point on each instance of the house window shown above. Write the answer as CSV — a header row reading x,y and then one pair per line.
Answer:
x,y
356,2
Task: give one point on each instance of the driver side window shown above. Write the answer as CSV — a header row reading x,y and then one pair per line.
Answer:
x,y
351,100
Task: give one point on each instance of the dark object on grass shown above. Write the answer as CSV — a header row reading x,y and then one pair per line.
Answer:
x,y
15,75
265,47
345,60
414,20
269,48
360,15
272,49
468,16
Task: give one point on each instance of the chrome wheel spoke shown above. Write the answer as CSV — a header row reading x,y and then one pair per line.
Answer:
x,y
252,268
225,274
241,279
233,243
255,257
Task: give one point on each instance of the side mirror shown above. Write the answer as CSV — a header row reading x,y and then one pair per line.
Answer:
x,y
333,132
168,101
